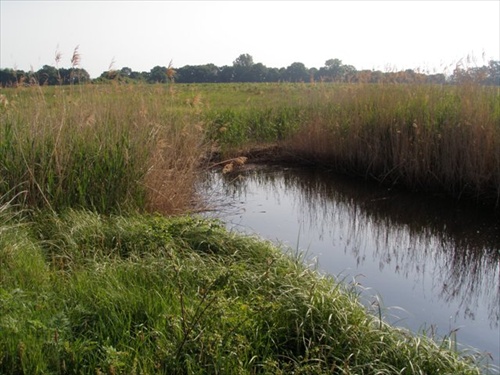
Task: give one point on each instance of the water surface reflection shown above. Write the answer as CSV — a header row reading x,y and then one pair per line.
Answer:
x,y
438,263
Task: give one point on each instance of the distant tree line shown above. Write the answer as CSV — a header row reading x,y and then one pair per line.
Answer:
x,y
47,75
244,69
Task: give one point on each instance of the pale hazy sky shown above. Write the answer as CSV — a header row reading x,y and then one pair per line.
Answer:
x,y
430,35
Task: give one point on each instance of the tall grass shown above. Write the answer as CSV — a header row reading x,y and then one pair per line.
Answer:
x,y
427,138
100,147
143,294
234,129
433,138
108,146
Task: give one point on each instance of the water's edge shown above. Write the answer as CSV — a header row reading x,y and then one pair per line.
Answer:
x,y
429,264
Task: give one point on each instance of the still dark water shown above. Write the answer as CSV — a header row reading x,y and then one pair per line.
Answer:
x,y
430,265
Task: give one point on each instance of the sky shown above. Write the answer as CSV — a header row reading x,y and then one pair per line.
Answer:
x,y
429,36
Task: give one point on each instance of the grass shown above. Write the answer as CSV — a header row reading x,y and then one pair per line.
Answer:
x,y
426,138
86,293
90,282
57,143
98,147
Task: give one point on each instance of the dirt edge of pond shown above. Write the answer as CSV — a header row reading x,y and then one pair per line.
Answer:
x,y
246,157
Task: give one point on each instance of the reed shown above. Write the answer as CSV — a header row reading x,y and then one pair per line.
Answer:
x,y
121,145
426,138
104,148
431,138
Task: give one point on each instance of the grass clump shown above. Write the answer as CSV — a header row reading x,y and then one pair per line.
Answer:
x,y
148,294
98,147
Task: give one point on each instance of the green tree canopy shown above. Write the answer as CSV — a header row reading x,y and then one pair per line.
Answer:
x,y
243,60
197,73
8,77
297,72
48,75
158,75
125,71
258,73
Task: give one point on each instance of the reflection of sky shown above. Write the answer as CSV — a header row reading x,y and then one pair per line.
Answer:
x,y
408,283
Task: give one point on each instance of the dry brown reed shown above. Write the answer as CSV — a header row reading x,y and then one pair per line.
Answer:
x,y
170,72
75,58
171,177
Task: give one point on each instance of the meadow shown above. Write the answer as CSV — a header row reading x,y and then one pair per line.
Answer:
x,y
105,269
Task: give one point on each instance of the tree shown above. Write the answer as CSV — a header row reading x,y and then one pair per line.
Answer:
x,y
297,72
242,66
48,75
493,73
349,73
136,75
125,72
257,73
8,77
334,70
243,60
485,75
73,76
158,75
146,76
438,78
273,75
197,73
333,64
226,74
79,75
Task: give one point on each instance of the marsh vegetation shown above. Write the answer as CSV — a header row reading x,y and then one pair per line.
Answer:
x,y
92,280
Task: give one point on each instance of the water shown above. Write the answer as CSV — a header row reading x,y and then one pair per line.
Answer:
x,y
428,265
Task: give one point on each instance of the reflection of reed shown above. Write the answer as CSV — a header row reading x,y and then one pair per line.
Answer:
x,y
459,247
462,245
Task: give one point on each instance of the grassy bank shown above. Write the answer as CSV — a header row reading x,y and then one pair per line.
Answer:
x,y
86,293
430,138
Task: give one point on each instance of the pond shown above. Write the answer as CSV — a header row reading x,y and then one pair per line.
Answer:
x,y
427,264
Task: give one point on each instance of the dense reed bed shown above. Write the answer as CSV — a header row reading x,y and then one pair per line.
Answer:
x,y
85,293
435,138
431,138
426,138
104,148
